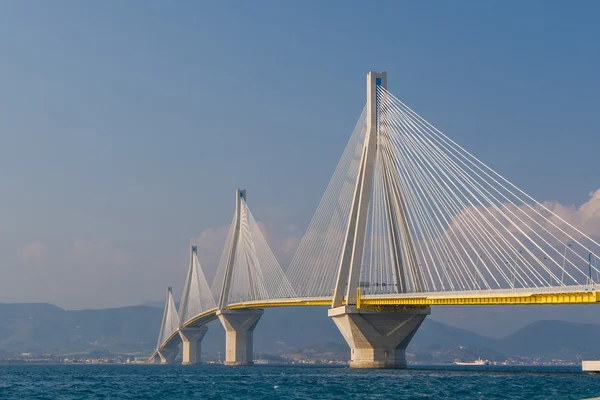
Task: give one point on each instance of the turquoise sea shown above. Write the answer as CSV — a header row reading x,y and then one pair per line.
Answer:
x,y
292,382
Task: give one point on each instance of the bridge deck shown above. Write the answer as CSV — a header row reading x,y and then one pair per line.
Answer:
x,y
584,294
579,294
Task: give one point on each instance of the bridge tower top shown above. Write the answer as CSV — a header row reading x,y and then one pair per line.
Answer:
x,y
374,79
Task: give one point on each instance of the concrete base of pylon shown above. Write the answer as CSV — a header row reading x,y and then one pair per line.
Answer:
x,y
153,359
168,354
378,339
239,334
191,344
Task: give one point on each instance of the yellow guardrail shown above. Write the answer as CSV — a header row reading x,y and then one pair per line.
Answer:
x,y
290,303
508,299
491,298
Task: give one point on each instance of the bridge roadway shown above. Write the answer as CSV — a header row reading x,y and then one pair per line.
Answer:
x,y
575,294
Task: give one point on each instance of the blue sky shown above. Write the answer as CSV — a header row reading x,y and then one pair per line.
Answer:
x,y
125,127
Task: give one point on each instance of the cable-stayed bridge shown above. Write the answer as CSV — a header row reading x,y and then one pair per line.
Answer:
x,y
410,219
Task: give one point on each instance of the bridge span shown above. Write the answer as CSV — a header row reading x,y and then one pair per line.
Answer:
x,y
409,220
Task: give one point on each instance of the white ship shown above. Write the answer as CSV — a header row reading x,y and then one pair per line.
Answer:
x,y
479,361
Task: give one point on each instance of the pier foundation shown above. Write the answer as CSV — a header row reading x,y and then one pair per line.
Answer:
x,y
378,339
191,339
168,354
590,366
239,331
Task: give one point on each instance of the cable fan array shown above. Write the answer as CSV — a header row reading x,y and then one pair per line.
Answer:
x,y
470,228
439,220
170,321
197,297
256,274
313,269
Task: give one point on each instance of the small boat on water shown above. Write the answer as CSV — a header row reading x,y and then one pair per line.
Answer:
x,y
479,361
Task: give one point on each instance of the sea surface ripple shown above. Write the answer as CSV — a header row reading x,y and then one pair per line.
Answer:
x,y
291,382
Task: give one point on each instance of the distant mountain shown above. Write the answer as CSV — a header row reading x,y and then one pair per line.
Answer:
x,y
554,339
44,328
499,322
438,343
432,334
156,303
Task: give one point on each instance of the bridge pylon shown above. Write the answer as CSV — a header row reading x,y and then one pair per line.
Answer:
x,y
196,298
169,326
238,324
377,338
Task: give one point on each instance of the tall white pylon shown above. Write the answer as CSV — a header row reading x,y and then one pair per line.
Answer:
x,y
351,261
238,324
197,296
168,326
170,321
248,270
402,256
377,338
240,196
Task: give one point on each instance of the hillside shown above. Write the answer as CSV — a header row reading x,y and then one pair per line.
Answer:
x,y
38,328
553,339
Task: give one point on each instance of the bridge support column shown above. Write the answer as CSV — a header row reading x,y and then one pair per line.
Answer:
x,y
378,339
191,339
168,354
239,331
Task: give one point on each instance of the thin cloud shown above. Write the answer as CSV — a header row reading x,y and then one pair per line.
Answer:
x,y
32,253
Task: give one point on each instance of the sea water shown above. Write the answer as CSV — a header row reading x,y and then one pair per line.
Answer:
x,y
292,382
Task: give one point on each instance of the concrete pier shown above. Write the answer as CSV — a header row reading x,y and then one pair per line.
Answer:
x,y
191,339
590,366
378,339
239,331
168,354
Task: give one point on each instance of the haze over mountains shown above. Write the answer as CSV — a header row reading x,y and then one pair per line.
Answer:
x,y
44,328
